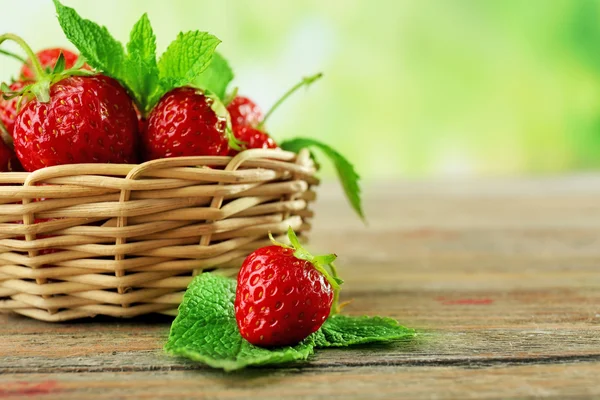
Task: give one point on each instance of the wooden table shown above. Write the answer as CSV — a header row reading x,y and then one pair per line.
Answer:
x,y
502,279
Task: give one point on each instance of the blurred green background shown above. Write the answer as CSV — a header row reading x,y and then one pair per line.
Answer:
x,y
412,88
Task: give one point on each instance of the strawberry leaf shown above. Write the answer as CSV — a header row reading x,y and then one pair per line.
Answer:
x,y
206,331
216,77
343,331
141,66
186,58
147,81
345,170
94,42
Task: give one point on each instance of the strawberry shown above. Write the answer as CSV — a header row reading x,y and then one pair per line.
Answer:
x,y
248,121
244,112
8,107
252,138
8,160
284,294
47,59
246,117
87,119
184,124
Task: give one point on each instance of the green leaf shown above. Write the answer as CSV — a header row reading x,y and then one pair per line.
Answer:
x,y
216,77
141,67
94,42
60,64
186,58
348,176
342,331
206,331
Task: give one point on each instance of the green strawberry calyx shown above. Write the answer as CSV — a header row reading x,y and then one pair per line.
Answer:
x,y
40,88
218,106
324,264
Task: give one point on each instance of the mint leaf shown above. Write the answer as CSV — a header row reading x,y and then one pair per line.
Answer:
x,y
141,68
94,42
348,176
205,330
342,331
216,77
186,58
147,81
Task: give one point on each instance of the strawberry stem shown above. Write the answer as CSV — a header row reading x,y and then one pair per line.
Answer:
x,y
304,82
35,63
13,55
221,110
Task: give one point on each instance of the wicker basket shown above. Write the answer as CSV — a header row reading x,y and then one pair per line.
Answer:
x,y
127,239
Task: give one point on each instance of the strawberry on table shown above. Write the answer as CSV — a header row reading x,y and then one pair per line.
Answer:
x,y
284,294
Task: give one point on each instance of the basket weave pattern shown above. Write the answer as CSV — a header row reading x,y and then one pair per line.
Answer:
x,y
127,239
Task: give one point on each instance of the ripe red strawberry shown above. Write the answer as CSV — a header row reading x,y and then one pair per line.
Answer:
x,y
252,138
8,159
247,119
8,108
244,112
184,124
283,294
48,58
89,119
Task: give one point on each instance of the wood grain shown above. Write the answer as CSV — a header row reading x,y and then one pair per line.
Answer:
x,y
500,278
378,382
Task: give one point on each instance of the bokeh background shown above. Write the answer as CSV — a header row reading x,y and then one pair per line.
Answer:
x,y
412,88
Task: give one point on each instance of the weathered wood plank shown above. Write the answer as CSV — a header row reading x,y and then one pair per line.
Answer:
x,y
560,381
501,279
461,323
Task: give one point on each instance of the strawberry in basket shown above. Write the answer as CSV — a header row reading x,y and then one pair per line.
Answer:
x,y
120,104
248,121
85,119
72,116
9,105
48,59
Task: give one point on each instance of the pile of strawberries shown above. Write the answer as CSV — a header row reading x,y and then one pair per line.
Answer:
x,y
127,104
89,117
